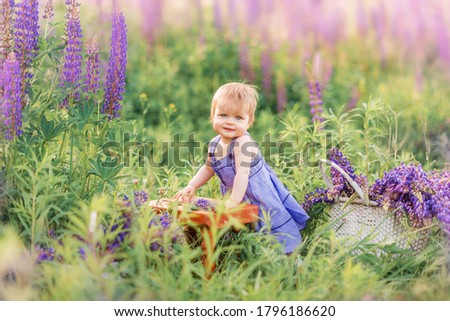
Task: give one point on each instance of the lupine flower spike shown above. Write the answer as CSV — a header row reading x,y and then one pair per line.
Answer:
x,y
315,97
152,23
266,64
281,93
71,70
26,39
245,68
12,99
6,33
92,81
48,11
115,79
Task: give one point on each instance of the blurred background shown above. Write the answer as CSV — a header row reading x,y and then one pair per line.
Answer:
x,y
181,51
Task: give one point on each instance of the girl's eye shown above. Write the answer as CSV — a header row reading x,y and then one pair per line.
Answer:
x,y
223,115
239,118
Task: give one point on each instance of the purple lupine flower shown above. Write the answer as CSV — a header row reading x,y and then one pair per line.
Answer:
x,y
419,82
6,39
380,24
152,19
154,246
315,100
315,95
296,27
281,94
319,195
165,220
161,225
253,12
127,201
115,79
52,234
353,99
232,14
267,68
26,38
82,252
123,227
321,71
329,28
245,68
49,11
140,197
341,186
200,20
443,37
102,15
92,80
361,18
204,204
45,254
71,69
441,205
217,15
407,189
6,32
12,99
157,219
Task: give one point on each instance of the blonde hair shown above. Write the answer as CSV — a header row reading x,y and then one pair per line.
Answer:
x,y
236,97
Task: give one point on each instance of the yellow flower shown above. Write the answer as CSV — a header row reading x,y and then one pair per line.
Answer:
x,y
143,97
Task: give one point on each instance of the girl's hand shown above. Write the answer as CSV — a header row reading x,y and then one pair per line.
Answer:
x,y
185,194
229,204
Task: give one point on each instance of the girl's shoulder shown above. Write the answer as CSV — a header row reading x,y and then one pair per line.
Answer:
x,y
246,138
245,143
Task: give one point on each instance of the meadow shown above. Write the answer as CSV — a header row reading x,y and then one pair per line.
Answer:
x,y
105,106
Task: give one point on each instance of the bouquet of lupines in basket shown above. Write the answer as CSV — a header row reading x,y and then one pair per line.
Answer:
x,y
440,183
407,190
341,187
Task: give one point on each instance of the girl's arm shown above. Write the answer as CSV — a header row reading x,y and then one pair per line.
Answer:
x,y
245,150
200,178
203,175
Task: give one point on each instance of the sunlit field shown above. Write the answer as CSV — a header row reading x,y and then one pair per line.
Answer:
x,y
105,106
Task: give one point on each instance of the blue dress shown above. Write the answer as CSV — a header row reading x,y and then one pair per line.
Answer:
x,y
264,189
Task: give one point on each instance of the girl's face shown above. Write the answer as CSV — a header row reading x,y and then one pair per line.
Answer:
x,y
230,124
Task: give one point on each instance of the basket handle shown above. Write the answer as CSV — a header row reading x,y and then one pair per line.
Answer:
x,y
329,183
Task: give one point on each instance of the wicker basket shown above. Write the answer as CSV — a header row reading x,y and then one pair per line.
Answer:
x,y
361,218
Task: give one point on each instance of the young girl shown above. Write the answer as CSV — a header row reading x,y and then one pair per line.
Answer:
x,y
236,159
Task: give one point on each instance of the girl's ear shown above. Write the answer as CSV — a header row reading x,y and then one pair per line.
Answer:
x,y
213,110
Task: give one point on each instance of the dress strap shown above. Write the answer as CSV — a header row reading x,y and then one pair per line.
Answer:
x,y
212,146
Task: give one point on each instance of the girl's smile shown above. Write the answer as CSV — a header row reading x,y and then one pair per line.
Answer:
x,y
229,124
